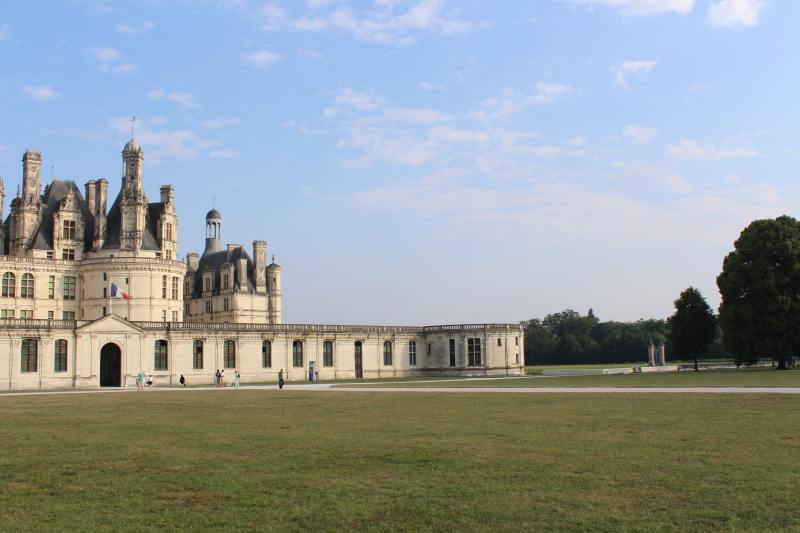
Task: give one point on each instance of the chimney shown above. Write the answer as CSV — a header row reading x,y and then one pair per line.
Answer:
x,y
241,271
260,265
193,261
167,194
102,195
90,196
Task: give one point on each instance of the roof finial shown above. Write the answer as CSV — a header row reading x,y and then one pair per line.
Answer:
x,y
213,202
273,259
133,125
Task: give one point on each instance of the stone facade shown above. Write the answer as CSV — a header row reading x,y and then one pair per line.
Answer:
x,y
60,253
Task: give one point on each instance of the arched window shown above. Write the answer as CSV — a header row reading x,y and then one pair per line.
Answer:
x,y
161,355
9,285
412,353
26,286
297,354
387,352
61,356
327,353
229,353
29,357
197,355
266,354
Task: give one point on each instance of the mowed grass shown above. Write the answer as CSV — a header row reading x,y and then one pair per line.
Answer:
x,y
290,461
706,378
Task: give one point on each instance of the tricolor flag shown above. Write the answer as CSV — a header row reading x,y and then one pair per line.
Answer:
x,y
116,292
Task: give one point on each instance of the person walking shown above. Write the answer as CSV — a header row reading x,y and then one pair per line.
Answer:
x,y
140,381
280,379
150,380
183,380
216,378
222,378
237,377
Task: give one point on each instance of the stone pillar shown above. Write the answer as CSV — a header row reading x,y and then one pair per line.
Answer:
x,y
651,355
662,360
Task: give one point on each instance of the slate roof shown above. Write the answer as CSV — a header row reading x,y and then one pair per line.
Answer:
x,y
216,261
149,241
54,193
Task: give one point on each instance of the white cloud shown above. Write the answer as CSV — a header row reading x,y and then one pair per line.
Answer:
x,y
109,60
639,68
271,17
698,88
261,58
224,153
217,123
458,136
415,115
40,93
430,87
725,13
184,100
358,99
677,184
640,134
509,101
161,143
694,150
641,8
135,31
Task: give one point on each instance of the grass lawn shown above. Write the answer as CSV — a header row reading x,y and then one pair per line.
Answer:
x,y
253,460
706,378
533,369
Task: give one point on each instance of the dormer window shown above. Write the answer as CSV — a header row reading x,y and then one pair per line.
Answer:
x,y
69,229
68,254
225,281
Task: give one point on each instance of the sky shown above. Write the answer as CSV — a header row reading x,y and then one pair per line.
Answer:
x,y
429,161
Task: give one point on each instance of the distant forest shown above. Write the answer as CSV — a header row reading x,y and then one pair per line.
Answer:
x,y
569,338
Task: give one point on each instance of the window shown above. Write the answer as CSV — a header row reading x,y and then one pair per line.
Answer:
x,y
297,354
474,352
70,315
164,287
206,284
174,316
225,304
266,354
499,341
30,355
225,280
229,352
51,287
105,311
208,306
186,309
387,352
61,356
168,255
7,313
412,353
169,232
69,230
197,355
50,315
105,276
174,288
429,348
9,285
68,254
186,290
516,341
26,286
161,355
452,352
70,283
26,313
105,292
163,315
327,353
49,254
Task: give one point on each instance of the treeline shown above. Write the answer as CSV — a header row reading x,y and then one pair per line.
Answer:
x,y
571,338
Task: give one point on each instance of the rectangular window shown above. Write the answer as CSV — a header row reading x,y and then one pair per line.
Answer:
x,y
105,292
452,352
70,315
161,354
26,286
61,356
9,285
327,353
163,315
70,285
50,315
197,355
105,276
225,304
164,287
206,284
50,254
229,352
51,287
29,357
26,313
297,354
225,279
105,311
174,288
266,354
412,353
499,342
7,313
169,232
474,352
68,254
516,341
429,348
387,353
69,230
186,309
174,316
208,306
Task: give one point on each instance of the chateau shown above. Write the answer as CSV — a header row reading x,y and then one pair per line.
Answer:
x,y
91,295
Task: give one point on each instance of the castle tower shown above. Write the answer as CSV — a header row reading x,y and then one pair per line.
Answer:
x,y
2,203
31,179
26,209
168,223
133,204
213,232
274,292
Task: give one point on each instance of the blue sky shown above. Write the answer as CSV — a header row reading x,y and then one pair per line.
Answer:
x,y
424,161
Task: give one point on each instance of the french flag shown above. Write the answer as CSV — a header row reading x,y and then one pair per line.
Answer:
x,y
116,292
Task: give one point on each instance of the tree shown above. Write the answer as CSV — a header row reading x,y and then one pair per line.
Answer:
x,y
760,286
693,326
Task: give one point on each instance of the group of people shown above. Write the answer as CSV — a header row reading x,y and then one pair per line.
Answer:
x,y
219,379
142,380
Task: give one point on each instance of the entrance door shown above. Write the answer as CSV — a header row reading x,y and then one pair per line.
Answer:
x,y
359,359
110,366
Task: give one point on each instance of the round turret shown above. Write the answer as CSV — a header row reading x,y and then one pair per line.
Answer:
x,y
213,215
131,146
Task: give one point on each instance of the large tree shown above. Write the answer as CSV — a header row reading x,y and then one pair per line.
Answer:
x,y
693,326
760,286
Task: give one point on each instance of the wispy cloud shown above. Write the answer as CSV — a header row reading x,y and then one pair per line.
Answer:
x,y
639,68
694,150
677,184
162,143
183,100
135,31
224,153
217,123
430,87
640,134
510,101
40,93
261,58
726,13
109,60
639,8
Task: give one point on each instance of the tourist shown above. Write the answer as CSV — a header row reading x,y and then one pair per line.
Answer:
x,y
150,380
183,380
222,378
280,379
216,378
140,381
236,379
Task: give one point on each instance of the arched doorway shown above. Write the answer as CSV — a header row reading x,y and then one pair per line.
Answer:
x,y
359,360
110,366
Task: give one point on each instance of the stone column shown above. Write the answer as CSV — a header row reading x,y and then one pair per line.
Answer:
x,y
662,360
651,355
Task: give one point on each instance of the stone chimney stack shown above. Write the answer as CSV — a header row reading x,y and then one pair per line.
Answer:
x,y
167,194
100,201
193,261
90,196
241,272
260,265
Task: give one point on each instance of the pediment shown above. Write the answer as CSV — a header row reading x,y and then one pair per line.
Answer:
x,y
110,324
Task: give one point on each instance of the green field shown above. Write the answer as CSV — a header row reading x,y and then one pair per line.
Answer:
x,y
291,460
706,378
